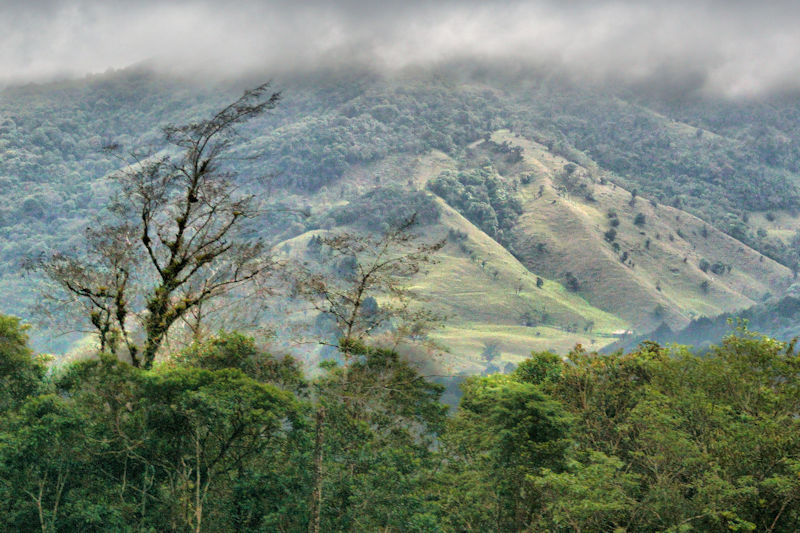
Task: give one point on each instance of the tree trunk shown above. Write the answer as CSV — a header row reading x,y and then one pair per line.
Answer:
x,y
316,496
198,502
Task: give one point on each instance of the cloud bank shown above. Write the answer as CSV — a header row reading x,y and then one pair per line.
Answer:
x,y
731,47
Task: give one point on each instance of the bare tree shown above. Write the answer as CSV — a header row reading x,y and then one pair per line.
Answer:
x,y
99,282
359,269
174,241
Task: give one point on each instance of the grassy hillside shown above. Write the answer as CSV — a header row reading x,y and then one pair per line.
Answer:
x,y
565,230
488,298
717,158
675,267
492,299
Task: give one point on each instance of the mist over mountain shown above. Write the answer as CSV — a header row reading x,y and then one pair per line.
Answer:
x,y
730,48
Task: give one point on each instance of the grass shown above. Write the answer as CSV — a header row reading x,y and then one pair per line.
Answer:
x,y
513,342
487,295
571,229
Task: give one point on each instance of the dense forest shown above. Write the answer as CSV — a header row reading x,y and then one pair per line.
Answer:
x,y
224,436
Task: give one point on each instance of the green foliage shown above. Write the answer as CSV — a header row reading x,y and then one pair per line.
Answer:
x,y
370,120
719,268
539,368
592,495
504,432
171,449
383,419
653,440
571,282
237,351
45,465
481,196
692,434
20,372
380,208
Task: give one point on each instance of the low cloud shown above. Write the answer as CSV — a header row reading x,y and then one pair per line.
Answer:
x,y
735,48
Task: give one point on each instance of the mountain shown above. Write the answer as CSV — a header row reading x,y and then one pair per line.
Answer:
x,y
572,214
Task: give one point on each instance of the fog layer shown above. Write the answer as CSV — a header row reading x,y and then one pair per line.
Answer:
x,y
733,47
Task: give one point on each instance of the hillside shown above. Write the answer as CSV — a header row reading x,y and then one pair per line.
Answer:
x,y
656,265
492,299
536,181
488,299
490,295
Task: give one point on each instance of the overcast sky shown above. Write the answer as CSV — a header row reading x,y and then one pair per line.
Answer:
x,y
733,47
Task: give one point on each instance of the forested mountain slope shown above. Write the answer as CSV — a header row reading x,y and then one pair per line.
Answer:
x,y
778,317
571,213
